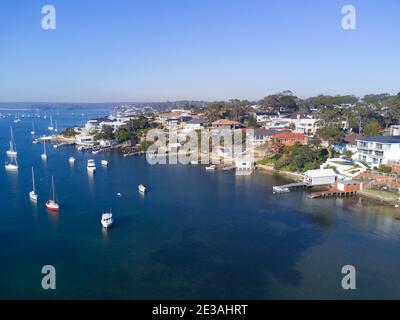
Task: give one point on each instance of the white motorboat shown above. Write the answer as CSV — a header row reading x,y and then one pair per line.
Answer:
x,y
51,204
32,195
71,160
194,162
278,189
13,148
11,167
142,188
91,166
107,219
44,154
104,163
211,168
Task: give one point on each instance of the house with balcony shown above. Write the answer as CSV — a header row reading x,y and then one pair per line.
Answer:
x,y
378,150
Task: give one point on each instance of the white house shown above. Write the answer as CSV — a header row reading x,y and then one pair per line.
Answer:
x,y
306,126
244,165
320,177
194,124
378,150
395,130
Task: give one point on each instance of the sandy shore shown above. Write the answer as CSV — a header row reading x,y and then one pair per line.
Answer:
x,y
291,175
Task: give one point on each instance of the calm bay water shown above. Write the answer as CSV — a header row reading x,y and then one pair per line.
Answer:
x,y
196,234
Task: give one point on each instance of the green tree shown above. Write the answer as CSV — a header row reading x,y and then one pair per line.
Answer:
x,y
372,128
331,135
252,121
68,133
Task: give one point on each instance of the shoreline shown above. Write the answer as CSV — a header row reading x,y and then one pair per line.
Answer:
x,y
291,175
364,194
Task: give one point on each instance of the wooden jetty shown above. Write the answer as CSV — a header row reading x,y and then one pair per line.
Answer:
x,y
332,193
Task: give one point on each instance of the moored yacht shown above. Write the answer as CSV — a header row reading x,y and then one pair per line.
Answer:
x,y
71,160
107,219
104,163
44,154
32,195
13,148
142,188
51,204
91,166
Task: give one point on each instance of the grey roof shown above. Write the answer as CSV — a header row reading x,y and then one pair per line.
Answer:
x,y
197,121
382,139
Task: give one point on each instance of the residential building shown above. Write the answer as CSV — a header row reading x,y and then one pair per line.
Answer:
x,y
226,124
258,137
378,150
194,124
289,138
395,130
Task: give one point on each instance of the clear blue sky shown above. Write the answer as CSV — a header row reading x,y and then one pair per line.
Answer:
x,y
155,50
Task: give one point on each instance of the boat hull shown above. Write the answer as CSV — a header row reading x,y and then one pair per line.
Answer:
x,y
33,196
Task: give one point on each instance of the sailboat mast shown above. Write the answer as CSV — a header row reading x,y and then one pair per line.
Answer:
x,y
52,182
33,181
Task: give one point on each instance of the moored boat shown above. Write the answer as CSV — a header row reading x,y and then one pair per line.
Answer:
x,y
12,152
107,219
44,154
32,195
51,204
211,168
104,163
91,166
142,188
71,160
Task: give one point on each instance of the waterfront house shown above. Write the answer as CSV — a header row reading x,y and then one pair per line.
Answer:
x,y
244,165
378,150
289,138
320,177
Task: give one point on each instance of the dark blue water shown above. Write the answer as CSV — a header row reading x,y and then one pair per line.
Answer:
x,y
196,234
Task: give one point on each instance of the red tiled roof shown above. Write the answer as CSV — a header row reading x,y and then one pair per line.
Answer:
x,y
289,135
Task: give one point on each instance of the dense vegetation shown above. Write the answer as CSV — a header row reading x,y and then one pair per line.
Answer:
x,y
68,133
298,158
133,130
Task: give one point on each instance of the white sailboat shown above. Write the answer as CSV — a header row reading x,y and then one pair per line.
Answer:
x,y
32,195
56,129
51,204
12,165
51,128
44,154
33,129
13,148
